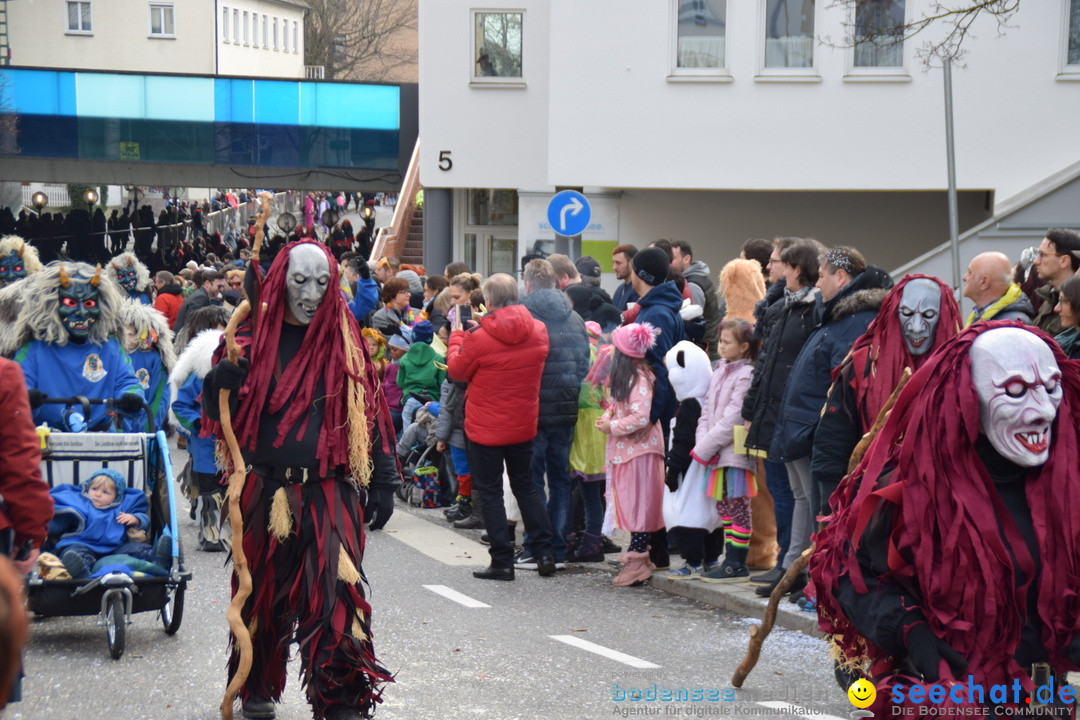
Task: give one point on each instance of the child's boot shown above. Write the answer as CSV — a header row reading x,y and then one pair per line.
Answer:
x,y
732,570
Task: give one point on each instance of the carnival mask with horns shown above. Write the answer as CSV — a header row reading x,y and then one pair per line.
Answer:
x,y
12,268
79,308
1018,382
126,276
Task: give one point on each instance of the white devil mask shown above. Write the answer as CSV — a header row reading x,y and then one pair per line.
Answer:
x,y
920,310
306,281
1019,387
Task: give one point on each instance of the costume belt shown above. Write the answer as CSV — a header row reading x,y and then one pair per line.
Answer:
x,y
294,475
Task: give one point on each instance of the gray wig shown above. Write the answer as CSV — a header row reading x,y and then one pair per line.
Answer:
x,y
144,319
142,273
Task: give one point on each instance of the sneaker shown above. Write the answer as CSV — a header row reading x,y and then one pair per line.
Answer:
x,y
808,604
525,561
769,578
727,574
686,572
610,547
74,564
163,551
485,539
710,566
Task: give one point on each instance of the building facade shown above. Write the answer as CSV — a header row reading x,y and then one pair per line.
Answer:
x,y
252,38
713,121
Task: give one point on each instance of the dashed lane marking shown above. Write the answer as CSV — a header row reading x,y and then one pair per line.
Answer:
x,y
451,594
439,543
605,652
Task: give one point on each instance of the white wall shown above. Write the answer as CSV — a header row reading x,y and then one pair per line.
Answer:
x,y
598,108
38,33
497,136
253,58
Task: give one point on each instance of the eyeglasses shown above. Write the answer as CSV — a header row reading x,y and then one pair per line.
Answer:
x,y
1043,254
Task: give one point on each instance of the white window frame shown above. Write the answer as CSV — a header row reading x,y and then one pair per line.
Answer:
x,y
296,37
265,33
284,35
225,24
495,82
79,30
1066,72
236,26
255,29
698,74
810,74
162,6
899,73
247,28
277,37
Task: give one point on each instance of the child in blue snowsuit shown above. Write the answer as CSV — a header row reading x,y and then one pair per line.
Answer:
x,y
93,519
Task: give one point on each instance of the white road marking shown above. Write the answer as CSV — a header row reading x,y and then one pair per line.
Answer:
x,y
605,652
439,543
457,597
798,711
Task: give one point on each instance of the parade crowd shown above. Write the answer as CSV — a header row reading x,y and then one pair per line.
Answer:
x,y
715,417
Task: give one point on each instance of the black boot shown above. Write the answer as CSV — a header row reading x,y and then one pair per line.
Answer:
x,y
258,709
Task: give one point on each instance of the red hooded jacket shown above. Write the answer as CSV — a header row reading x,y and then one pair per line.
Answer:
x,y
502,361
27,505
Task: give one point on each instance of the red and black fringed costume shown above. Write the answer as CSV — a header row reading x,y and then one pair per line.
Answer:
x,y
863,382
306,416
932,526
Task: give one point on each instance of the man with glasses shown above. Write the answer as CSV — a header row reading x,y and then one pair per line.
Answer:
x,y
1055,263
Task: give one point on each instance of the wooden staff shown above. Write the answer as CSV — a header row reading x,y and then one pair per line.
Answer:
x,y
236,488
758,633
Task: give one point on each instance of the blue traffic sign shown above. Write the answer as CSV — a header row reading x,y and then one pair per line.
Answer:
x,y
569,212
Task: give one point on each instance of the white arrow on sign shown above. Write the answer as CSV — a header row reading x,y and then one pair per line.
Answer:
x,y
575,206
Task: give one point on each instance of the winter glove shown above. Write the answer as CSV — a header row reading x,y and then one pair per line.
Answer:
x,y
672,479
926,651
36,398
130,402
363,270
229,375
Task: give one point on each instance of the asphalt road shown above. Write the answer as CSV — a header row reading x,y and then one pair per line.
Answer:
x,y
517,656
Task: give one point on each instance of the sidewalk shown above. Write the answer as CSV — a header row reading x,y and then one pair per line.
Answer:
x,y
736,597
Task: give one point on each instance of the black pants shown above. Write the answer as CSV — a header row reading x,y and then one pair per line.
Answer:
x,y
486,463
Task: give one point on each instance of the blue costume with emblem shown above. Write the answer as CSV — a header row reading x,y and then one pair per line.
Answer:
x,y
154,381
94,371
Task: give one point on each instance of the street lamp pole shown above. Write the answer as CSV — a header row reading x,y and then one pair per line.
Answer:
x,y
950,151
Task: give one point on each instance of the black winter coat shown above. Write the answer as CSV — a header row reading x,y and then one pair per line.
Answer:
x,y
786,328
567,360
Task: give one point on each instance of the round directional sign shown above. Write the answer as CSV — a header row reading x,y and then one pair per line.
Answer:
x,y
569,212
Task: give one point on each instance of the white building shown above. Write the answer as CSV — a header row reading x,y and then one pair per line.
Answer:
x,y
255,38
713,121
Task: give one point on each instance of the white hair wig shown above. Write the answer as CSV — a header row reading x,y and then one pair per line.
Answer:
x,y
128,259
145,320
26,251
39,316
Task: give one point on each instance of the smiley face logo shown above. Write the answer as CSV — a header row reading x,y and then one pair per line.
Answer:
x,y
862,693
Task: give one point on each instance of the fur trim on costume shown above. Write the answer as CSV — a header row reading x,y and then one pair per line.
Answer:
x,y
142,273
743,287
26,251
145,319
198,358
860,301
39,319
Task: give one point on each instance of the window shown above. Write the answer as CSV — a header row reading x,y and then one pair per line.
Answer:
x,y
1072,51
266,39
789,33
296,36
255,29
79,17
225,24
276,45
285,35
161,20
236,26
497,45
701,32
879,35
247,29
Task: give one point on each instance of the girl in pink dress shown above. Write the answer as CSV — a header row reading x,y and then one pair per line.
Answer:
x,y
635,449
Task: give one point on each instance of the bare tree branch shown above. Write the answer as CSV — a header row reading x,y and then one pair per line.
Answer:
x,y
955,17
345,36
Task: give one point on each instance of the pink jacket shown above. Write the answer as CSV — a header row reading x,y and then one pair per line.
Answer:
x,y
721,410
632,435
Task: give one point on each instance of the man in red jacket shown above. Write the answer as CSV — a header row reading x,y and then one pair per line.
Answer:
x,y
502,359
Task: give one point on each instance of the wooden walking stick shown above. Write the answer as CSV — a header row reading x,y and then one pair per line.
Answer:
x,y
236,488
758,633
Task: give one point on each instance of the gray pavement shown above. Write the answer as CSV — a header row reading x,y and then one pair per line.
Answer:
x,y
520,656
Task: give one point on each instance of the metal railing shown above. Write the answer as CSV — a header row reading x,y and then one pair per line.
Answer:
x,y
314,72
391,237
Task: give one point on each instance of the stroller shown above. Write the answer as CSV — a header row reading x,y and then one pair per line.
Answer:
x,y
115,591
421,462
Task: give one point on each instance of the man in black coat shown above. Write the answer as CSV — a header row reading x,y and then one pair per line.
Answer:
x,y
564,370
